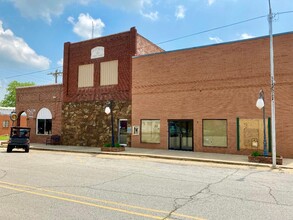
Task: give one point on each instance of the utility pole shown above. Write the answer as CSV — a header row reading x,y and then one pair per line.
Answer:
x,y
56,74
270,19
93,29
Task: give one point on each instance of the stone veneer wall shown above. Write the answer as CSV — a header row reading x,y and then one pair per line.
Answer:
x,y
87,124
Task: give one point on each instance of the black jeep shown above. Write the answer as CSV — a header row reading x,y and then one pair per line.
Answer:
x,y
19,138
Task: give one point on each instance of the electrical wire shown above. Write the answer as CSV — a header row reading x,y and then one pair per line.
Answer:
x,y
174,39
224,26
212,29
30,73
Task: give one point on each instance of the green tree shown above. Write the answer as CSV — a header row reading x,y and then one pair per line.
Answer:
x,y
10,96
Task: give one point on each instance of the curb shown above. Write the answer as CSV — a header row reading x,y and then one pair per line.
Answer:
x,y
166,157
169,158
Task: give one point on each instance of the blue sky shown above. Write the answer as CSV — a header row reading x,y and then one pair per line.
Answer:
x,y
33,32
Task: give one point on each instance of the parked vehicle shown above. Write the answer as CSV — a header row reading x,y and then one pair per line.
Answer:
x,y
19,138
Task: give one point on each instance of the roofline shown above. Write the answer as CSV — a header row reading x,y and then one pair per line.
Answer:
x,y
6,108
151,42
102,37
212,45
28,87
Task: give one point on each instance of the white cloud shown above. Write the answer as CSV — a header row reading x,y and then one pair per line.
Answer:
x,y
60,62
144,7
180,12
129,5
246,36
44,9
216,39
84,26
14,51
151,15
210,2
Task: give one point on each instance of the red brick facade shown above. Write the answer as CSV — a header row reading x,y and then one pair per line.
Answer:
x,y
32,99
84,119
119,47
212,82
4,119
215,82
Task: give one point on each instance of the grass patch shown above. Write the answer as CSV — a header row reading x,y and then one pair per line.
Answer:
x,y
4,137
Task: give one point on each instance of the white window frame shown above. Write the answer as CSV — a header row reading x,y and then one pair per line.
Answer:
x,y
46,115
5,124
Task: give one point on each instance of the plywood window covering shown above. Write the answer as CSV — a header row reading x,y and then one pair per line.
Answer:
x,y
215,132
86,75
109,73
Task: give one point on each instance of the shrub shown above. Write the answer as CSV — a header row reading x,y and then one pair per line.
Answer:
x,y
107,145
110,145
255,154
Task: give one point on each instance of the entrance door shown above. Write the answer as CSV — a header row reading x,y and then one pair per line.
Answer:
x,y
122,133
180,134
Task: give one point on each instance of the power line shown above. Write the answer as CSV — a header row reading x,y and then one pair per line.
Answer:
x,y
167,41
212,29
30,73
284,12
221,27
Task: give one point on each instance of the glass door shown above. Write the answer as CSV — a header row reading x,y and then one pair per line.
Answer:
x,y
180,134
122,133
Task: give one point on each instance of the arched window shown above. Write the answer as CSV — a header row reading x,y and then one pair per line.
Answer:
x,y
44,121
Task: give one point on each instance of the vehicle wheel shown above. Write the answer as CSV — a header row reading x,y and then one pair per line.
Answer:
x,y
27,149
9,149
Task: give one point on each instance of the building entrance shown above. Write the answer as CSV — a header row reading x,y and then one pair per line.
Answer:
x,y
122,132
180,135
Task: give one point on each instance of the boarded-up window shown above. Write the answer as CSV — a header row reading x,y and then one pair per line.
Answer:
x,y
215,133
86,75
109,73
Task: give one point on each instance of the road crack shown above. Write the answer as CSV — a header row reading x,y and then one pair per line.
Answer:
x,y
4,173
206,189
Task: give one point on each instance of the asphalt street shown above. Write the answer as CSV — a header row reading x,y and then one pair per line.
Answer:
x,y
59,185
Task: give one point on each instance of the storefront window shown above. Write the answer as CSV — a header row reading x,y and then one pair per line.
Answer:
x,y
44,121
150,131
215,133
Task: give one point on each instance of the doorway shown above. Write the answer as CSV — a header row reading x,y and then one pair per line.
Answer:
x,y
180,135
122,132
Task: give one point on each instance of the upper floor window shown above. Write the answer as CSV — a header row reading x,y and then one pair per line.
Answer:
x,y
109,73
86,75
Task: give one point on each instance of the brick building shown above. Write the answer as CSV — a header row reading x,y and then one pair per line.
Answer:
x,y
95,72
204,99
197,99
42,105
6,122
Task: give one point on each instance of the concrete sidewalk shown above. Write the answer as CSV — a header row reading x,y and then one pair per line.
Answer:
x,y
165,154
